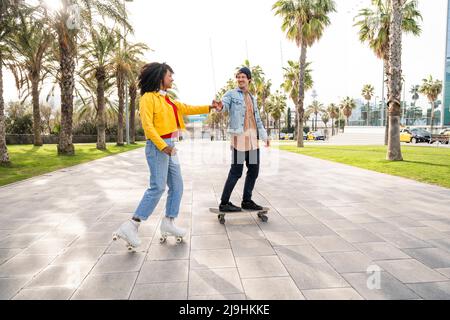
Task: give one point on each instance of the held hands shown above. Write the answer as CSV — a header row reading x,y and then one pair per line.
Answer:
x,y
267,144
170,151
218,105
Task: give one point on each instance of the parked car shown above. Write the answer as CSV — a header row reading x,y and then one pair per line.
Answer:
x,y
316,136
415,136
420,135
290,136
445,132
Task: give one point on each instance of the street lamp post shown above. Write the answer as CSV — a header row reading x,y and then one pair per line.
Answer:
x,y
127,115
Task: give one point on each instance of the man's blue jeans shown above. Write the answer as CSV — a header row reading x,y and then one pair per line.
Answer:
x,y
164,170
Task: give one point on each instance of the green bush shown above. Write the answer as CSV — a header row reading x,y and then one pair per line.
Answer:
x,y
20,125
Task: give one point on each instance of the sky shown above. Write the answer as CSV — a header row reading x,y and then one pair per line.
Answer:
x,y
205,40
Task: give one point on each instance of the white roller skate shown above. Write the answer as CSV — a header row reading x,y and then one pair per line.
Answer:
x,y
128,232
168,228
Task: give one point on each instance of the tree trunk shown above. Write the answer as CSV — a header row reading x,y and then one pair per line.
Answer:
x,y
4,157
395,82
301,96
368,106
101,114
67,85
133,96
121,93
387,72
432,117
37,139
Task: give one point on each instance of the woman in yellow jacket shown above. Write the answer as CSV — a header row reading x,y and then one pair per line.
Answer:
x,y
162,118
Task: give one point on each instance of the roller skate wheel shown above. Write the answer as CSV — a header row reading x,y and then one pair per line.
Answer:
x,y
115,237
131,248
179,240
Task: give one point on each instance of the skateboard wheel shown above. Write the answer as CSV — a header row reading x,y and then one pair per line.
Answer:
x,y
264,218
222,220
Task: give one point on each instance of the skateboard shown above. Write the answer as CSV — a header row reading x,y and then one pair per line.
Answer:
x,y
130,247
262,214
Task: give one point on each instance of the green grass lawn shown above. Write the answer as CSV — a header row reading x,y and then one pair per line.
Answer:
x,y
425,164
29,161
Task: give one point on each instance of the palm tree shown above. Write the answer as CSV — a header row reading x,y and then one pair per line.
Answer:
x,y
29,43
291,84
304,21
333,112
347,107
367,93
374,29
96,56
125,59
67,24
276,107
431,89
263,93
394,152
325,120
315,108
8,15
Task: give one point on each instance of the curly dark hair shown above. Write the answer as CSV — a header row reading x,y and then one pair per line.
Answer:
x,y
152,74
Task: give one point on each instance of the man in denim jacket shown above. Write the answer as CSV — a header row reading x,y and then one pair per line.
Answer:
x,y
245,128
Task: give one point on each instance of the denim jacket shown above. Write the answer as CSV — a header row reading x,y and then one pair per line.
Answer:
x,y
233,103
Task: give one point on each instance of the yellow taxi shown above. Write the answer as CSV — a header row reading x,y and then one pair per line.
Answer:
x,y
405,136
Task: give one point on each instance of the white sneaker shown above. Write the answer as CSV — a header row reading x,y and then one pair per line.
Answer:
x,y
168,227
128,231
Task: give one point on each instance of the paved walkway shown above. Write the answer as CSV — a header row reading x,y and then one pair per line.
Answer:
x,y
329,223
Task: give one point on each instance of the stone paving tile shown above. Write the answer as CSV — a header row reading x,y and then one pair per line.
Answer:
x,y
212,259
349,262
244,232
168,252
79,254
160,291
25,265
315,276
330,244
425,233
125,262
411,271
232,297
432,291
45,293
381,251
271,289
332,294
251,248
10,286
164,271
299,254
110,286
290,238
210,242
389,289
403,240
359,236
6,254
314,230
260,267
431,257
69,276
444,271
214,282
19,241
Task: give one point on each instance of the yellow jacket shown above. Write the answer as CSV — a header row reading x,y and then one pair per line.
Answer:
x,y
158,118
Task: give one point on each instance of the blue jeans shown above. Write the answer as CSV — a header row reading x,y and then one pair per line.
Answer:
x,y
164,170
